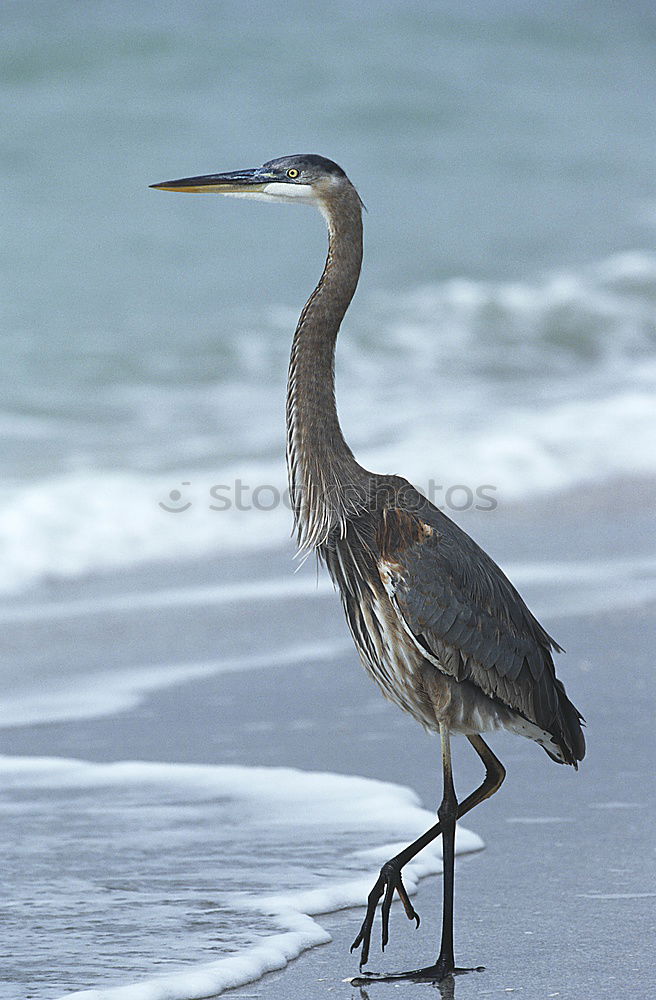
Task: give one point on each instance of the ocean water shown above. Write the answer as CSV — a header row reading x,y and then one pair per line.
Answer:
x,y
504,333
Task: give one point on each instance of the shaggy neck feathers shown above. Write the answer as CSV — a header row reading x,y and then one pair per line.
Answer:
x,y
323,474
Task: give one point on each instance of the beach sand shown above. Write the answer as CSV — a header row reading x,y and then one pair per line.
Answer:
x,y
562,900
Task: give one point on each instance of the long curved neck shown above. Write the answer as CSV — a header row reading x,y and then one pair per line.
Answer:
x,y
321,467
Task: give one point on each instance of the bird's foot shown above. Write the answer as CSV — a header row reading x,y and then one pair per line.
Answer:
x,y
437,973
388,881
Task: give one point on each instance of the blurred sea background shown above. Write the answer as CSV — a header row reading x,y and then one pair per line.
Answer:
x,y
502,344
504,329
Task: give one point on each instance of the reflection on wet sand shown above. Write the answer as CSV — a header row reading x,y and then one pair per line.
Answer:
x,y
445,986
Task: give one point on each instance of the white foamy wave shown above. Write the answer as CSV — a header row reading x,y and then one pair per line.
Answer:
x,y
521,388
80,524
208,876
530,387
565,324
76,524
529,450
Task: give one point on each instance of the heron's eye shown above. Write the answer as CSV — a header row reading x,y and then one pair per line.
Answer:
x,y
292,172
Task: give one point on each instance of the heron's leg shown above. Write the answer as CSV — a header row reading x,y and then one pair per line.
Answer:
x,y
390,879
447,812
495,773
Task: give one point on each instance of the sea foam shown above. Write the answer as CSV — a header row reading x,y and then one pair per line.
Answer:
x,y
186,880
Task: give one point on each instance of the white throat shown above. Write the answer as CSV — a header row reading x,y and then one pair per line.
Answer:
x,y
301,194
279,191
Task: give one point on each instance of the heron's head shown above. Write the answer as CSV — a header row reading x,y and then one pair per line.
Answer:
x,y
304,179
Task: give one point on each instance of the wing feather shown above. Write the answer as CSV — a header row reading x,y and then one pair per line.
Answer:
x,y
464,612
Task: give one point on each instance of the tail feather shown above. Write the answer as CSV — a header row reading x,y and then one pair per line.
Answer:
x,y
568,731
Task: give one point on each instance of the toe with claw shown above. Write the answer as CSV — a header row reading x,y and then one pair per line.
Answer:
x,y
387,883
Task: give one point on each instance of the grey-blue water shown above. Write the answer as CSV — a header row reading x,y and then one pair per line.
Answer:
x,y
504,330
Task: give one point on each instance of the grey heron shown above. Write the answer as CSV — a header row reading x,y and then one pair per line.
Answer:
x,y
436,622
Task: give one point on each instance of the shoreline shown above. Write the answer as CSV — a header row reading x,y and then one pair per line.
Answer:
x,y
559,889
544,907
